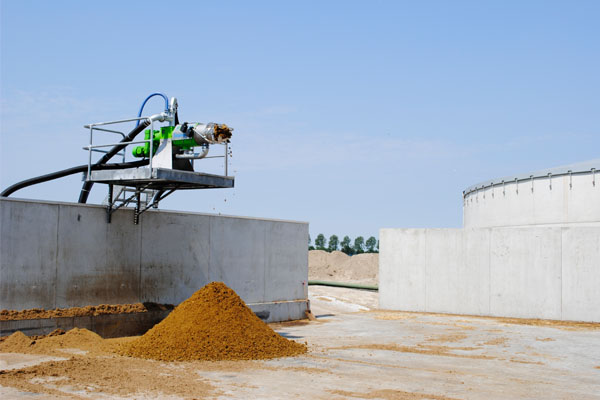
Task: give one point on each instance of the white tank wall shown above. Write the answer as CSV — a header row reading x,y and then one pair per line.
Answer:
x,y
562,201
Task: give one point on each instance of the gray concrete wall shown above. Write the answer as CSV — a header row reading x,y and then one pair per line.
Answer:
x,y
537,272
64,255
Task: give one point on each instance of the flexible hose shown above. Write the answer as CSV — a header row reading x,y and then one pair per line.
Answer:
x,y
148,98
99,165
66,172
343,285
87,186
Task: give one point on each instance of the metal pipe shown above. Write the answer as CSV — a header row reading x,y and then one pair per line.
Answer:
x,y
473,189
151,145
118,121
226,157
99,151
194,156
87,185
89,170
343,285
109,130
115,144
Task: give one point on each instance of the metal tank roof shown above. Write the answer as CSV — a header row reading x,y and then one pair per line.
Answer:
x,y
591,166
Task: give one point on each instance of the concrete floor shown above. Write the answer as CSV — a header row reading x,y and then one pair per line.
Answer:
x,y
394,355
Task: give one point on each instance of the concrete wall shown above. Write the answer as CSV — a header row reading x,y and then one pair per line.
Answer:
x,y
562,201
64,255
537,272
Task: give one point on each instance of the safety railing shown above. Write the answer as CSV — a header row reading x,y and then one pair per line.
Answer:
x,y
97,148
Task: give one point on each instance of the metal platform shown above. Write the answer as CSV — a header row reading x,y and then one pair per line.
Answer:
x,y
147,186
161,179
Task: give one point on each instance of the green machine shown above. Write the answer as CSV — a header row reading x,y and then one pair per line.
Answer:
x,y
184,138
165,159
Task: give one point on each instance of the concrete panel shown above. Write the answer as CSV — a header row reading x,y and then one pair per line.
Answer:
x,y
237,255
443,261
28,244
525,272
98,263
474,297
551,273
286,261
175,255
280,310
67,255
581,274
402,259
107,326
457,271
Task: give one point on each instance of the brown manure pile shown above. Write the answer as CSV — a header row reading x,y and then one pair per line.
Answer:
x,y
102,309
213,324
55,343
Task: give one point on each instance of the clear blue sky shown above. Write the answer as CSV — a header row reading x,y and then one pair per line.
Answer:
x,y
352,116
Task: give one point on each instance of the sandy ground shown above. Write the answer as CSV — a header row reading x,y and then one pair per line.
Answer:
x,y
339,267
356,351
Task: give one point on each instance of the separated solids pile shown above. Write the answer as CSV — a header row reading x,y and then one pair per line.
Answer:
x,y
213,324
102,309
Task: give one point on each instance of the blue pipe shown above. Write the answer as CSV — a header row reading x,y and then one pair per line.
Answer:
x,y
148,98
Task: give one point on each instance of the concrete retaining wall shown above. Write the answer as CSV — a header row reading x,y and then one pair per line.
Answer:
x,y
538,272
55,255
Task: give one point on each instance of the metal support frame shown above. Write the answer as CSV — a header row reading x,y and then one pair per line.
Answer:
x,y
110,208
162,185
136,212
155,202
110,203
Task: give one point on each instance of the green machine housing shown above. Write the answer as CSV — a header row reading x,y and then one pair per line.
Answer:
x,y
166,132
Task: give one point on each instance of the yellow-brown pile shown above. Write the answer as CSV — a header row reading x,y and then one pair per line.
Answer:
x,y
213,324
102,309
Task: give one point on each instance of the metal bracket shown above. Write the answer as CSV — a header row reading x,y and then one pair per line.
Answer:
x,y
570,179
110,208
531,177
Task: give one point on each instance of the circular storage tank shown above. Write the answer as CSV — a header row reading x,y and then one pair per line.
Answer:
x,y
562,196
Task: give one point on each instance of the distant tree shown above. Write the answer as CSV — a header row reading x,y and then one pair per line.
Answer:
x,y
345,244
309,245
370,244
320,242
378,246
359,245
333,243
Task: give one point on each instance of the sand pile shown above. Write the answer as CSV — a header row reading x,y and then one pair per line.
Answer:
x,y
213,324
337,266
102,309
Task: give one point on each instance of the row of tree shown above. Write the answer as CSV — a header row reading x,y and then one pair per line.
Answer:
x,y
371,245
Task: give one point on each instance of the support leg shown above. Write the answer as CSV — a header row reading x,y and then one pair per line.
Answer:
x,y
110,203
136,213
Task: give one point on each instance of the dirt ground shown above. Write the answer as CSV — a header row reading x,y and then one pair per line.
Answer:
x,y
355,351
339,267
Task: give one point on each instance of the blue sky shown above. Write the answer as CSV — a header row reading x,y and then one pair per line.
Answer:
x,y
352,116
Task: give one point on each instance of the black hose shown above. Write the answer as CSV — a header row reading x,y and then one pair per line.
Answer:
x,y
87,186
69,171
